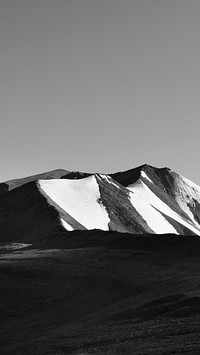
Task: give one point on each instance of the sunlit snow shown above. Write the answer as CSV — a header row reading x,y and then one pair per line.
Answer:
x,y
110,180
186,193
143,191
66,225
143,174
152,217
81,200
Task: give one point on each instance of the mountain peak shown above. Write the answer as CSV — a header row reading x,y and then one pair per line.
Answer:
x,y
141,200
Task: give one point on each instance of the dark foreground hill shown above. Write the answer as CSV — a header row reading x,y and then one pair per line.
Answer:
x,y
101,292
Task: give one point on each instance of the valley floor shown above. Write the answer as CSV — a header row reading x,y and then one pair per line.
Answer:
x,y
108,294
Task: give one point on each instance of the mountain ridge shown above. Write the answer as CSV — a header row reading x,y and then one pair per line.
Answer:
x,y
142,200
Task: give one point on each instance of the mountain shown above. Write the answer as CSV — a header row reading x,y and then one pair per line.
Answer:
x,y
100,263
143,200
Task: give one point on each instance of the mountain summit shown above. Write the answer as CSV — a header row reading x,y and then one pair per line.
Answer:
x,y
143,200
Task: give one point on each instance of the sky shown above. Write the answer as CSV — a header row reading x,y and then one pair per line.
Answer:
x,y
99,86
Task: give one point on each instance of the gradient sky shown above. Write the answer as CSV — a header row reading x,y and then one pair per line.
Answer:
x,y
99,85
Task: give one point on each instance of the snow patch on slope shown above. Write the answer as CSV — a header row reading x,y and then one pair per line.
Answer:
x,y
153,218
144,175
79,198
186,192
66,225
143,191
109,180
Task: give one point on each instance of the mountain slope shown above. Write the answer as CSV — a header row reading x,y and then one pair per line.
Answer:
x,y
25,216
12,184
144,200
180,193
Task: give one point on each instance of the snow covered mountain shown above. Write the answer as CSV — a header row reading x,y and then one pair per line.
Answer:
x,y
144,200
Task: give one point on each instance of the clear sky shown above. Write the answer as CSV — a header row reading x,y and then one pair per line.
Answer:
x,y
99,85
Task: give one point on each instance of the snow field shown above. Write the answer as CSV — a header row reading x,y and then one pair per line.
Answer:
x,y
80,199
